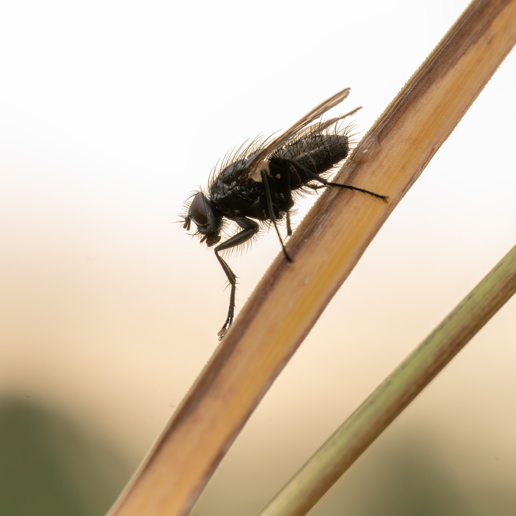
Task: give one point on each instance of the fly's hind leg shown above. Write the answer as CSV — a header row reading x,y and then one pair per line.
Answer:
x,y
289,226
316,177
249,229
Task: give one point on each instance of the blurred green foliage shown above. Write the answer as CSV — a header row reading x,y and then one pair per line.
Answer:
x,y
51,467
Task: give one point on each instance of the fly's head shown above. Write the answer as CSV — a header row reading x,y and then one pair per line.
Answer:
x,y
205,216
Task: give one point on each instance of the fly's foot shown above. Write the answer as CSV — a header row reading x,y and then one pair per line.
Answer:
x,y
222,332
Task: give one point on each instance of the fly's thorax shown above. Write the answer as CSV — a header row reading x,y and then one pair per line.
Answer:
x,y
227,181
230,174
241,199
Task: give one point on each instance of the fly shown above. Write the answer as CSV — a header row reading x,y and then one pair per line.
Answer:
x,y
256,187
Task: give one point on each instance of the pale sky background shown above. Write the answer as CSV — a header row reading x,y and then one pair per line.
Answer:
x,y
112,112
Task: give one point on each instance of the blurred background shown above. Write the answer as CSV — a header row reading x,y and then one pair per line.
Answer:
x,y
111,114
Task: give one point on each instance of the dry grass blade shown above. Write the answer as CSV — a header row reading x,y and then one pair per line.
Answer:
x,y
378,411
326,247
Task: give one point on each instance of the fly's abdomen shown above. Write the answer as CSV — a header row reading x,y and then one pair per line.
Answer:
x,y
318,153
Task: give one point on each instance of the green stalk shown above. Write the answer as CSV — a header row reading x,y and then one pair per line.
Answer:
x,y
388,401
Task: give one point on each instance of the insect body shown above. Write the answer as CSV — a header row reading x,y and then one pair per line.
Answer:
x,y
258,187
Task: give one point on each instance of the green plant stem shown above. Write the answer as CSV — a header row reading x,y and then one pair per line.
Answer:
x,y
381,408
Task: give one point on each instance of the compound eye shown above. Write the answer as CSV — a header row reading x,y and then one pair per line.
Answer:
x,y
197,210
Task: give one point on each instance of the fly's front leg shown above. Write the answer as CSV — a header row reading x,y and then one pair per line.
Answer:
x,y
250,228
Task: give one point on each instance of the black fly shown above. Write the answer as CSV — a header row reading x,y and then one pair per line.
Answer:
x,y
257,186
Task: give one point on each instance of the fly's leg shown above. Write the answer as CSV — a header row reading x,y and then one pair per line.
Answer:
x,y
232,281
289,226
250,228
282,180
286,190
316,177
268,198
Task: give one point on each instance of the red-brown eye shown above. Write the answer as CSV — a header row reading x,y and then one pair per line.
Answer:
x,y
198,210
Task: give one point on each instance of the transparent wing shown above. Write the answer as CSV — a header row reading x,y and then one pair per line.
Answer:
x,y
320,127
310,117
